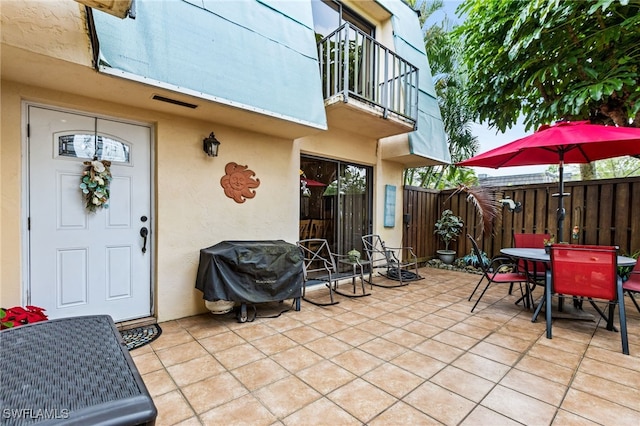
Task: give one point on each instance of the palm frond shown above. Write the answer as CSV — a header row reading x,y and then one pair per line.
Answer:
x,y
485,202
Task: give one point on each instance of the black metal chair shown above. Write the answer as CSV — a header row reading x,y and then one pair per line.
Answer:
x,y
320,266
499,270
389,258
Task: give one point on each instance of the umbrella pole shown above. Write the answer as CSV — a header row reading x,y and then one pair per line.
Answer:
x,y
561,200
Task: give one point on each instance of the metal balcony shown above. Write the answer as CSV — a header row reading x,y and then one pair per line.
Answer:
x,y
366,76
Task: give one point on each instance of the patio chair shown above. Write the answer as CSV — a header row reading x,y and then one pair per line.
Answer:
x,y
319,267
389,258
500,270
632,285
536,270
589,272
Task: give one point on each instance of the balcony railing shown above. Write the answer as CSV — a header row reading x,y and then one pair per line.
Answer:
x,y
353,64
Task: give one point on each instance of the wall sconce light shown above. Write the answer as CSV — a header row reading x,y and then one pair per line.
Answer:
x,y
210,145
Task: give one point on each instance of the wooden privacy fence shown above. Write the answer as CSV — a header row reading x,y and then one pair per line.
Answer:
x,y
606,212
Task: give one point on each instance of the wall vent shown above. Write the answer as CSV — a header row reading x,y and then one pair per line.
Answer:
x,y
174,101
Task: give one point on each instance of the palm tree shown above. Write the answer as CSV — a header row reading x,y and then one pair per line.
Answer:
x,y
449,82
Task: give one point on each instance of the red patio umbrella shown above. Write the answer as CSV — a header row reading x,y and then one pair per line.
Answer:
x,y
564,142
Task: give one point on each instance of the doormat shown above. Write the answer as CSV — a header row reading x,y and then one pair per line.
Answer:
x,y
392,274
140,336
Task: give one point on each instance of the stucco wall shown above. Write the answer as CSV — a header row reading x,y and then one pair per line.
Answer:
x,y
192,210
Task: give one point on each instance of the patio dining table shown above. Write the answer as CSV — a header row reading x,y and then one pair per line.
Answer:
x,y
540,255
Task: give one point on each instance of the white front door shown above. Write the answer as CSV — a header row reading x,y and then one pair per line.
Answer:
x,y
82,262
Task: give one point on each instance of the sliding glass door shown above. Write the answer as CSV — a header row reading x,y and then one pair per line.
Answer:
x,y
335,202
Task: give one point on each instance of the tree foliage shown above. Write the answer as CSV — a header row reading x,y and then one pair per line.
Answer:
x,y
552,59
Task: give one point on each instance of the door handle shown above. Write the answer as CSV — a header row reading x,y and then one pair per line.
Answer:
x,y
144,232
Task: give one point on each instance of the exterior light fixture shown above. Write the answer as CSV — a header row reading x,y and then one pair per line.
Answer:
x,y
210,145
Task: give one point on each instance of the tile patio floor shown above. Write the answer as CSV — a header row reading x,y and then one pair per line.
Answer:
x,y
402,356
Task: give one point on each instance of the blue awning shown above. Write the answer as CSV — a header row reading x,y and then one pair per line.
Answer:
x,y
254,54
429,140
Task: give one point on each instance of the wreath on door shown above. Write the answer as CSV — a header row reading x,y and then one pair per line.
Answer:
x,y
94,184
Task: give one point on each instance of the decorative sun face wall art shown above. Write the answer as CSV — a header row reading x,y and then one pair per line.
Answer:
x,y
238,182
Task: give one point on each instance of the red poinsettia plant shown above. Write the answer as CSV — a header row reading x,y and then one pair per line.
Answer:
x,y
16,316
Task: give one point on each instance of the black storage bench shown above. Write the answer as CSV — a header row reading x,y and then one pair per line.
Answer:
x,y
70,371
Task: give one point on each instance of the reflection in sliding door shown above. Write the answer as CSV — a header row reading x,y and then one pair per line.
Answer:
x,y
335,202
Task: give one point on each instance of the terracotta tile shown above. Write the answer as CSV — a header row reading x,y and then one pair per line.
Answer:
x,y
454,314
543,368
222,341
565,418
141,350
439,321
357,361
455,339
286,396
172,408
469,330
508,342
375,327
402,414
191,421
361,399
562,344
181,353
607,371
394,320
422,328
483,367
325,376
614,358
296,359
321,412
259,373
328,346
147,363
496,353
238,355
599,410
554,356
534,386
354,336
404,338
382,348
463,383
439,350
273,344
287,322
370,311
170,339
158,382
519,407
246,410
615,392
484,416
171,326
195,370
394,380
421,365
351,318
439,403
212,392
255,331
330,326
304,334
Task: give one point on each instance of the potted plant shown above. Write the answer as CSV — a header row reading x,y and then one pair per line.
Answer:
x,y
448,227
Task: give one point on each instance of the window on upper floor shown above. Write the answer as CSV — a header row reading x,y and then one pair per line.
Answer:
x,y
328,15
